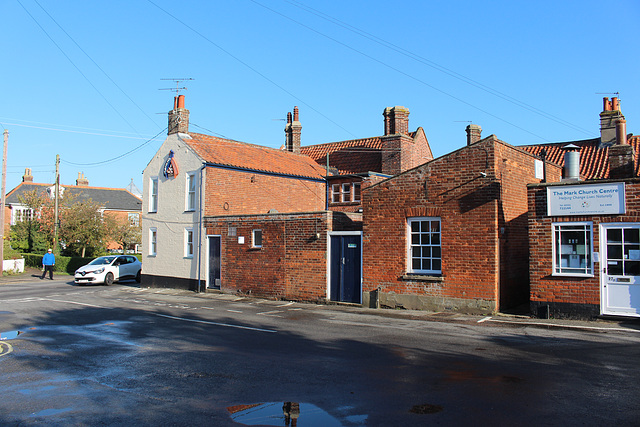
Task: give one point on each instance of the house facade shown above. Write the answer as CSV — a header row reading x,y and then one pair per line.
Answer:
x,y
584,231
451,234
194,177
115,202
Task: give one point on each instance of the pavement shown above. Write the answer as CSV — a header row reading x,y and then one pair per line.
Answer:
x,y
516,319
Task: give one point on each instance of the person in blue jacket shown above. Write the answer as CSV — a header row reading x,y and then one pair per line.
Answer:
x,y
48,261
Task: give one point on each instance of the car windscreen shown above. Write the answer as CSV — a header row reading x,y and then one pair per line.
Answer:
x,y
103,260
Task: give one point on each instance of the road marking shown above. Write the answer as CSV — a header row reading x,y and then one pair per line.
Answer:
x,y
234,311
285,305
560,325
216,323
270,313
484,319
72,302
208,308
5,348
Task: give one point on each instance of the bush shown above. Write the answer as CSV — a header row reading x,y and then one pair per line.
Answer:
x,y
9,252
64,264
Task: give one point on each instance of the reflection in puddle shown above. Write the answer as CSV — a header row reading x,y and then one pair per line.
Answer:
x,y
288,414
9,335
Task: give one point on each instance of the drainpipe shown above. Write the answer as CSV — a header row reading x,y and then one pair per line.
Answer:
x,y
326,203
200,231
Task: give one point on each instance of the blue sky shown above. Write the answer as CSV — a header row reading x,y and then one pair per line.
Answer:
x,y
84,79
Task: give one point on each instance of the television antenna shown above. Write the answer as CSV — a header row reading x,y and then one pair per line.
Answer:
x,y
177,81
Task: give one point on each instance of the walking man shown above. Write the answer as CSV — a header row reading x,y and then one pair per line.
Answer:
x,y
48,261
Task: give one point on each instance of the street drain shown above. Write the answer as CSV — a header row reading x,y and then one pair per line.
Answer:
x,y
426,409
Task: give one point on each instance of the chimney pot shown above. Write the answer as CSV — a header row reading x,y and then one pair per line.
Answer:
x,y
615,104
295,114
621,132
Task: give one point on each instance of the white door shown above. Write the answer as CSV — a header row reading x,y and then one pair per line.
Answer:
x,y
620,269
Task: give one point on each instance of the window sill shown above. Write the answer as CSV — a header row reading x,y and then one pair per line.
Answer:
x,y
572,275
422,277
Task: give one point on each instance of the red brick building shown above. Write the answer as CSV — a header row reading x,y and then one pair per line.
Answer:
x,y
584,231
451,234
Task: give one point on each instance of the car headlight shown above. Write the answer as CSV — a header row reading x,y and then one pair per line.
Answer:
x,y
98,271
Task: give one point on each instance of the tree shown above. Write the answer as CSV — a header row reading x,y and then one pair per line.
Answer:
x,y
27,235
82,228
123,232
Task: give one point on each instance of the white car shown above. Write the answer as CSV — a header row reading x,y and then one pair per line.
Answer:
x,y
109,269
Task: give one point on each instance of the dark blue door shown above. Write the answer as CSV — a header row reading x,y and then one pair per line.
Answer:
x,y
346,269
214,262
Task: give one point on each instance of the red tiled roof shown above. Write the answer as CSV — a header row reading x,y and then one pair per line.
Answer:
x,y
594,162
235,154
354,156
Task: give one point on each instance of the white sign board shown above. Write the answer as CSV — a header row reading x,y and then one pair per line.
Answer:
x,y
587,199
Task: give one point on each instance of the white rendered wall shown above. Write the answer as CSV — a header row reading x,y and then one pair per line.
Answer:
x,y
171,219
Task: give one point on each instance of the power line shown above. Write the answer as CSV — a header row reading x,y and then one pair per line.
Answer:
x,y
435,66
248,66
117,157
400,71
74,65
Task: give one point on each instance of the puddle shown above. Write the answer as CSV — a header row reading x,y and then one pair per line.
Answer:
x,y
9,335
288,414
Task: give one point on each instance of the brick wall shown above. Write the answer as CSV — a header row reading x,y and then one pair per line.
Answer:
x,y
292,262
230,192
483,220
563,296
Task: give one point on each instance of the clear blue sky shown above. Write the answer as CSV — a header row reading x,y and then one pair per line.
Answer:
x,y
82,79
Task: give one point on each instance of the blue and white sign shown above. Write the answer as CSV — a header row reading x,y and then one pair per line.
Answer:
x,y
587,199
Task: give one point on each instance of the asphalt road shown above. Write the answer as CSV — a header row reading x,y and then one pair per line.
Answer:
x,y
123,355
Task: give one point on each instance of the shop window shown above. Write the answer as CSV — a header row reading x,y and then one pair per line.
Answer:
x,y
572,249
425,250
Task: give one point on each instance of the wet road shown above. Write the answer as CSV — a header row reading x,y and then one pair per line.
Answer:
x,y
122,355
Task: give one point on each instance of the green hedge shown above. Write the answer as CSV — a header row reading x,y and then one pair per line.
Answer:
x,y
63,263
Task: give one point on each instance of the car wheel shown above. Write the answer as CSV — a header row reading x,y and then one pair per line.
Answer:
x,y
139,277
108,279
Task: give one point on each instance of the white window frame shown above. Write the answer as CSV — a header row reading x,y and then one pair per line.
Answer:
x,y
346,192
357,195
153,241
434,249
254,234
568,256
190,192
134,218
336,193
188,242
154,189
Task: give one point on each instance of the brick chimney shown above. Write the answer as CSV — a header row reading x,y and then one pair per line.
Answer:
x,y
621,154
82,181
610,115
474,134
292,132
398,147
178,117
27,177
396,120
